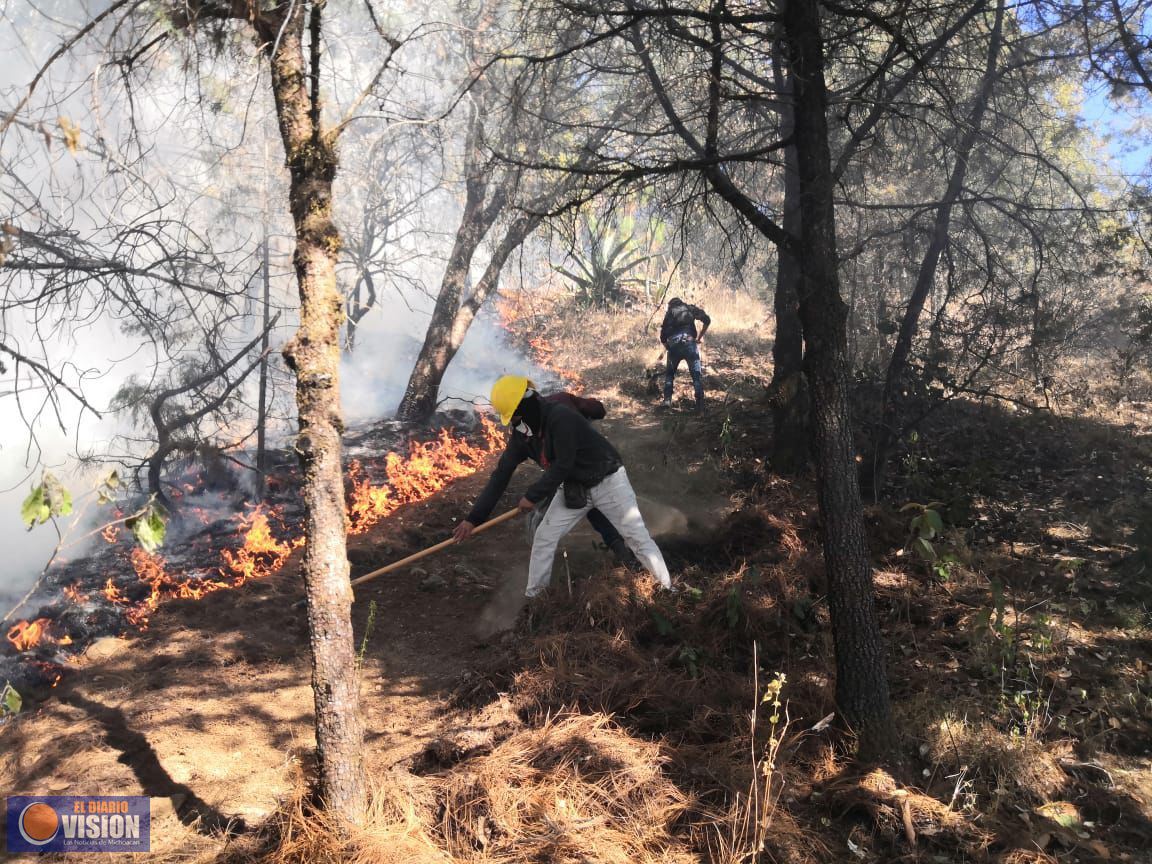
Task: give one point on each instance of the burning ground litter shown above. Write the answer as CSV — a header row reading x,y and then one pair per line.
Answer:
x,y
118,588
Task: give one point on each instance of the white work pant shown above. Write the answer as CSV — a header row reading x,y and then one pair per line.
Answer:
x,y
612,496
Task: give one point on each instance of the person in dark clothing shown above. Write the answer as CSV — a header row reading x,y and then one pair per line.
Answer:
x,y
679,337
579,463
522,446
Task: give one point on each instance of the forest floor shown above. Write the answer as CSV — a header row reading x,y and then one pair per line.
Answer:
x,y
611,724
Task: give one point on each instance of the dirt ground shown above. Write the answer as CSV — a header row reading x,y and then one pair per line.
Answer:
x,y
209,710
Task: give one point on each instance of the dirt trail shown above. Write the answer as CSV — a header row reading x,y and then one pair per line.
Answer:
x,y
209,711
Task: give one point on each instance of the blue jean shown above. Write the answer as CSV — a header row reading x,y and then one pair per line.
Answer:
x,y
684,350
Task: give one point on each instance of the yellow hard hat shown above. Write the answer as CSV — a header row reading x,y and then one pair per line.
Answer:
x,y
507,393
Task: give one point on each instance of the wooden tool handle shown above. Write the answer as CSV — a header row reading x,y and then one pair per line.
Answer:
x,y
491,523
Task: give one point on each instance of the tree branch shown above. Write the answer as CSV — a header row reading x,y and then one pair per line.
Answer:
x,y
64,48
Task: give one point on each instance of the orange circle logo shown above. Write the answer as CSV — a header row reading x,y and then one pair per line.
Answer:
x,y
38,823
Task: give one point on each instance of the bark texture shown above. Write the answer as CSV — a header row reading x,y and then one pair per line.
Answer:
x,y
861,676
440,341
789,388
314,355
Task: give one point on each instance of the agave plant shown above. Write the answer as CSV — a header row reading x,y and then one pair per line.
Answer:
x,y
608,255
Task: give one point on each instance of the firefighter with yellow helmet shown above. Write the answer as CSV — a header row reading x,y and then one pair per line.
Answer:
x,y
579,464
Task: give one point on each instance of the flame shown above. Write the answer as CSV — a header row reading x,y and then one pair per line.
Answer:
x,y
367,504
149,570
430,466
25,635
542,351
49,669
508,310
114,594
261,555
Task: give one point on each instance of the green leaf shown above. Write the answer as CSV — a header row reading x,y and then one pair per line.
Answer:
x,y
924,549
10,700
933,521
149,528
35,508
112,481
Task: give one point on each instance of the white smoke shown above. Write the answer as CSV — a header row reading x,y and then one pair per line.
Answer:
x,y
215,156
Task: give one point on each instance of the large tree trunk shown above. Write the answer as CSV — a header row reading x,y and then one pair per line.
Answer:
x,y
789,388
896,380
314,355
861,679
420,396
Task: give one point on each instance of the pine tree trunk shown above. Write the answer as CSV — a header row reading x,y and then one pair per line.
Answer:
x,y
421,395
861,678
314,355
262,390
789,387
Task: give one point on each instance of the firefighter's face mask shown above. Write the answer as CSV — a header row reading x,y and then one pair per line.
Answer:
x,y
517,422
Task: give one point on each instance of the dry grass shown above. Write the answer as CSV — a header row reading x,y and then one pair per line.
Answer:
x,y
394,831
987,756
899,811
577,788
633,749
1027,856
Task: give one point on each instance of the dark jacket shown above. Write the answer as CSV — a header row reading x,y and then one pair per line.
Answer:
x,y
681,320
593,409
568,448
